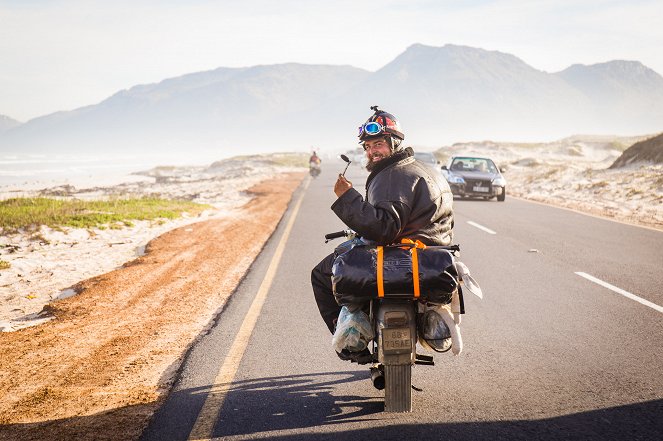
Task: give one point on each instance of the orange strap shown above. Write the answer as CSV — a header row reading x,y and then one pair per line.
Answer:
x,y
415,271
415,262
417,243
379,271
415,266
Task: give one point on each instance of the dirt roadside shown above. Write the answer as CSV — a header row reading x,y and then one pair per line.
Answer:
x,y
107,360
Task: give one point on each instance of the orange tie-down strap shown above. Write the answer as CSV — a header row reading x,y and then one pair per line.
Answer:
x,y
415,266
379,270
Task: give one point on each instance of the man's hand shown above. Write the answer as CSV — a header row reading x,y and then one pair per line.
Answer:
x,y
342,185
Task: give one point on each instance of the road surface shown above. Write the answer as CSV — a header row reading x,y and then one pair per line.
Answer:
x,y
566,344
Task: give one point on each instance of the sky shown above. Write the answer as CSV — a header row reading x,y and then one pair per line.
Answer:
x,y
63,54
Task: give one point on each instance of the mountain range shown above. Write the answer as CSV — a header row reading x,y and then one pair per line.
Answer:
x,y
440,94
7,123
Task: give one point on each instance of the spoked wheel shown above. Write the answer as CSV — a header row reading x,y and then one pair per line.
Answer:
x,y
398,388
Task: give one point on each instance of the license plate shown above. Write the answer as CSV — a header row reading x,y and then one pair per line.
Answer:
x,y
396,340
481,189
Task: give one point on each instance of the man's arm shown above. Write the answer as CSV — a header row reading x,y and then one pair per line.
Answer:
x,y
381,223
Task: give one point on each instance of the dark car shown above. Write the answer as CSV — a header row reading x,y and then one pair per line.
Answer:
x,y
469,176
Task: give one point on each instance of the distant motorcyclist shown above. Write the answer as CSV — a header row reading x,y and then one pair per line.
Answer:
x,y
314,159
314,164
403,200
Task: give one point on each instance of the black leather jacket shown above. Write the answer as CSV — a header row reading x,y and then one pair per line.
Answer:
x,y
403,199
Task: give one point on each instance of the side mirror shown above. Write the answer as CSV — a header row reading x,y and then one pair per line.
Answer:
x,y
502,169
444,167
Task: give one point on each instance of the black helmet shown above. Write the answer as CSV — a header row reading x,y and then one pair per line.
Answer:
x,y
380,124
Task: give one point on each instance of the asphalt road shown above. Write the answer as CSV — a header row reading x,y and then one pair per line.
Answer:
x,y
549,354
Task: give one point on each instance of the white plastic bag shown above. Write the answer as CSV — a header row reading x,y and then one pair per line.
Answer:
x,y
436,333
467,280
442,313
353,331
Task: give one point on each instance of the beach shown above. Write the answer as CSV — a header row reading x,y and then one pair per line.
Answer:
x,y
46,264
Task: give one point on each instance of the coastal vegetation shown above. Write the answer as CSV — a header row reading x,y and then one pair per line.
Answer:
x,y
30,213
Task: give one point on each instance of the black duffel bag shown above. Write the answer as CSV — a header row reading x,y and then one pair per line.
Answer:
x,y
355,274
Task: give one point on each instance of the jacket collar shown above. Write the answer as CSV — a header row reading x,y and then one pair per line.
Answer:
x,y
386,162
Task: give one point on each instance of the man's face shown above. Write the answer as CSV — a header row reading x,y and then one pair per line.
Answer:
x,y
376,150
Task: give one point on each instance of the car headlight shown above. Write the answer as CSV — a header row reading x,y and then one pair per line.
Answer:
x,y
500,182
456,180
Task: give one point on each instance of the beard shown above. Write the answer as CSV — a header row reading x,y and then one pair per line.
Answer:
x,y
373,161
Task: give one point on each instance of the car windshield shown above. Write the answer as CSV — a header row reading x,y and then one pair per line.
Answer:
x,y
426,157
473,164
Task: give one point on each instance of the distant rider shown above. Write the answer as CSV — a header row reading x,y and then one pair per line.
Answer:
x,y
403,200
314,160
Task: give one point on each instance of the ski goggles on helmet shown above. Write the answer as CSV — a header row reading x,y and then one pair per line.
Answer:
x,y
372,129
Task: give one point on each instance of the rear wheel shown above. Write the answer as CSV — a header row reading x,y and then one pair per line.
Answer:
x,y
398,388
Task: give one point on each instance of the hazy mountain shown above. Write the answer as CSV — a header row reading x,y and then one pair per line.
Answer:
x,y
7,123
649,150
206,111
622,93
440,94
472,93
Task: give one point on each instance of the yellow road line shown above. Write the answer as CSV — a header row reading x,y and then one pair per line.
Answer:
x,y
204,425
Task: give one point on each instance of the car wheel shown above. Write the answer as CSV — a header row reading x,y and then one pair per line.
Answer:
x,y
502,196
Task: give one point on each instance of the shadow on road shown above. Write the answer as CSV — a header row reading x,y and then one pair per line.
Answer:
x,y
270,403
295,402
275,410
305,405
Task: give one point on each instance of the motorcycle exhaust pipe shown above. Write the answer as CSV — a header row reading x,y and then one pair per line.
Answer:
x,y
377,378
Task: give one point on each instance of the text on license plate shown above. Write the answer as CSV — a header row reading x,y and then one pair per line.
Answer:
x,y
396,340
481,189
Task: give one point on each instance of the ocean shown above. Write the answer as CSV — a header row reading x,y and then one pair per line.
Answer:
x,y
37,172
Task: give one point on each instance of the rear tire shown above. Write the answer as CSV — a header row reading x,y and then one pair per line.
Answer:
x,y
398,388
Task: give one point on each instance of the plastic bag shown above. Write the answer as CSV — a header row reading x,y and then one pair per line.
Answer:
x,y
435,331
468,281
438,321
353,330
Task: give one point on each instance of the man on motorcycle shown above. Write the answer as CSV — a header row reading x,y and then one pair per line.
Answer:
x,y
314,164
403,200
314,159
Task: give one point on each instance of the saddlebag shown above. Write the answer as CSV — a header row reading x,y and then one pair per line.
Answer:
x,y
367,272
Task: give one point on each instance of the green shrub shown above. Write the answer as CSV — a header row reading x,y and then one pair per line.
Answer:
x,y
30,213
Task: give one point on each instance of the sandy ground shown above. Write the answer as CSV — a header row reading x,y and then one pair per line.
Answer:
x,y
109,355
45,264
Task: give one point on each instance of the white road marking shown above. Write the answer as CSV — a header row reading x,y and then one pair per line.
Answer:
x,y
621,291
204,425
481,227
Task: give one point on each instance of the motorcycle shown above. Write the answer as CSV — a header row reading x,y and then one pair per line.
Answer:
x,y
314,168
397,321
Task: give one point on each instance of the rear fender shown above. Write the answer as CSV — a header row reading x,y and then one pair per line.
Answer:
x,y
395,325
